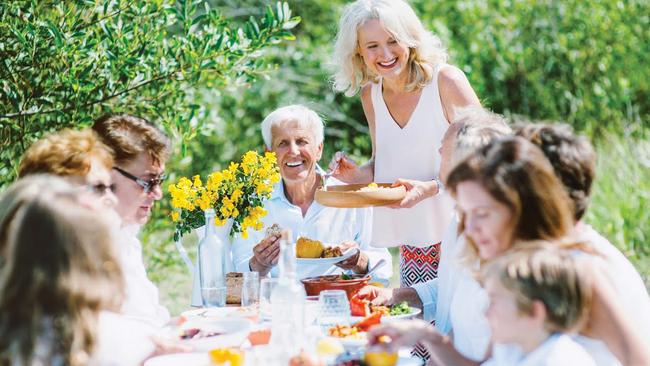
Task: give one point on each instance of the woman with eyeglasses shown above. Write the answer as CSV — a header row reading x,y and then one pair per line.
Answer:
x,y
140,151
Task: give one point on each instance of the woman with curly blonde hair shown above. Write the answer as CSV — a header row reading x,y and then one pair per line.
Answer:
x,y
410,95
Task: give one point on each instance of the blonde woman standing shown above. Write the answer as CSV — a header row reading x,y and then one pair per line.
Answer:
x,y
409,96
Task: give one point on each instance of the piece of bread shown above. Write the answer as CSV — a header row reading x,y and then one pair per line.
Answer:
x,y
307,248
234,282
273,230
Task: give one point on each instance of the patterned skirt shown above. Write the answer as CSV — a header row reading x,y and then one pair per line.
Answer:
x,y
418,265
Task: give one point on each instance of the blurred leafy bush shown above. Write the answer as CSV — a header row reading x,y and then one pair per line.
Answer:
x,y
66,63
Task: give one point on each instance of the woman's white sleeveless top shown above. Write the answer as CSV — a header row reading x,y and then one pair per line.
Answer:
x,y
411,152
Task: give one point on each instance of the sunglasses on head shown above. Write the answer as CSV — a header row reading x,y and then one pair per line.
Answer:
x,y
146,185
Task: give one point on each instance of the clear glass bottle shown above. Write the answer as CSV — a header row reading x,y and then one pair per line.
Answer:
x,y
212,265
287,303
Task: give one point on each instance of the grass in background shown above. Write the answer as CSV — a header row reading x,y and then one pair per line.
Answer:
x,y
620,207
620,210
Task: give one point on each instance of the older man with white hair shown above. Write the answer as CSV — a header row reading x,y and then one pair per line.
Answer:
x,y
295,134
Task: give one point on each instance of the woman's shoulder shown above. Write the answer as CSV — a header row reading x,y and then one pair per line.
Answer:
x,y
452,79
366,93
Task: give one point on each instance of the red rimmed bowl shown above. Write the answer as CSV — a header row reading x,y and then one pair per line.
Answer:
x,y
314,285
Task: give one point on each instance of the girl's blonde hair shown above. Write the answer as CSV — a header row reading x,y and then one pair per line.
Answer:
x,y
59,274
425,49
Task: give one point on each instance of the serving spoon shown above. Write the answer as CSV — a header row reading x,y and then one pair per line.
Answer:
x,y
377,266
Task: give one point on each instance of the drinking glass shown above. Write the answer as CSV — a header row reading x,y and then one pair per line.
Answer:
x,y
266,288
250,289
333,308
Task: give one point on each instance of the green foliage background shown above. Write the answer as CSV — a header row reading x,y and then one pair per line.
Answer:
x,y
581,62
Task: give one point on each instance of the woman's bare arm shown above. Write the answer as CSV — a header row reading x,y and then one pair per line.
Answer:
x,y
455,91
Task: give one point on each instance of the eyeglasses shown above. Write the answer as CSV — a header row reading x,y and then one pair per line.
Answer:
x,y
146,185
101,189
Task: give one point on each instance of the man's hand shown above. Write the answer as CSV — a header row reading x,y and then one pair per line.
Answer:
x,y
265,255
376,295
358,263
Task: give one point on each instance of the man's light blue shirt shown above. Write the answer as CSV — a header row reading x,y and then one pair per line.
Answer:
x,y
330,225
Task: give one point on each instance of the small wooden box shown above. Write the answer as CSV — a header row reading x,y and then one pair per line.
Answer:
x,y
234,281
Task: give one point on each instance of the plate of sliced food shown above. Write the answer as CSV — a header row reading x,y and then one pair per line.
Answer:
x,y
361,308
310,251
353,333
360,195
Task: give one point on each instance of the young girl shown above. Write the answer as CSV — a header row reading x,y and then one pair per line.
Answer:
x,y
409,96
536,298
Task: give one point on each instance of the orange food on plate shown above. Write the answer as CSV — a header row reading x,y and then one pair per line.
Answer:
x,y
380,358
345,331
384,310
223,356
359,306
369,321
259,337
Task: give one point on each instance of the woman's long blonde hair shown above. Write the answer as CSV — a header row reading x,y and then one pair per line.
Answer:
x,y
60,272
425,49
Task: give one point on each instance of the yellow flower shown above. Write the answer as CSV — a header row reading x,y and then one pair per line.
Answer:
x,y
236,195
230,191
197,181
184,183
233,167
214,181
244,234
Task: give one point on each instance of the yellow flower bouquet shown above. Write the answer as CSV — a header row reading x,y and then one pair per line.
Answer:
x,y
237,193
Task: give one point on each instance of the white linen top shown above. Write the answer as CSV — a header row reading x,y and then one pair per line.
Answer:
x,y
120,341
557,350
123,341
436,294
329,225
632,292
141,295
410,152
471,330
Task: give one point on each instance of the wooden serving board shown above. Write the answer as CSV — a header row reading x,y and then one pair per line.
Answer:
x,y
348,196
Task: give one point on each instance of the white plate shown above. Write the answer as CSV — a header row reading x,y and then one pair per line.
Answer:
x,y
186,359
391,318
233,332
323,261
351,343
223,312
